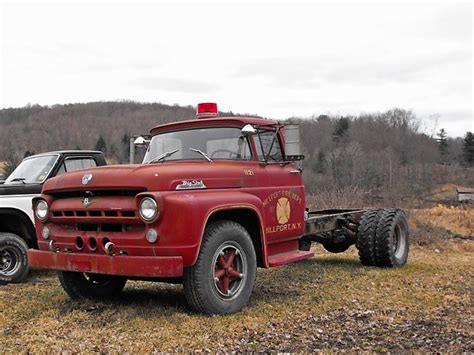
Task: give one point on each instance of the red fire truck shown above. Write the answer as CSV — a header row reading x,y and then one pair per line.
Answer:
x,y
215,198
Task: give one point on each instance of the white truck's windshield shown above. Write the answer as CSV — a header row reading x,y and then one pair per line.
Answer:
x,y
215,142
32,170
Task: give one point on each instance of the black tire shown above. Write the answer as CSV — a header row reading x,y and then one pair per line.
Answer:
x,y
13,258
304,244
392,239
206,292
93,286
366,236
338,247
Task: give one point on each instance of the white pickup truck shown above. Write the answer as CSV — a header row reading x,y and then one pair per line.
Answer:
x,y
17,232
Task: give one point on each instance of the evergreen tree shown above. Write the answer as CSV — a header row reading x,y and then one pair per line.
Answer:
x,y
341,130
468,149
442,144
100,145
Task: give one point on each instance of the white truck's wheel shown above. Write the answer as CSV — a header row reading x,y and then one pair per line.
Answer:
x,y
13,258
222,279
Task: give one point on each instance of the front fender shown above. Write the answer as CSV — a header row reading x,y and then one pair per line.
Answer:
x,y
19,202
184,216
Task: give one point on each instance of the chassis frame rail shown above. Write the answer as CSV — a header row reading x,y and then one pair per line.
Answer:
x,y
326,224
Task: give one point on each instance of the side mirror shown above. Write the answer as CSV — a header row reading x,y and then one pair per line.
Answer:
x,y
292,143
140,142
248,130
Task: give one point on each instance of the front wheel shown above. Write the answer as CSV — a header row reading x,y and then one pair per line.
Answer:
x,y
13,258
94,286
222,279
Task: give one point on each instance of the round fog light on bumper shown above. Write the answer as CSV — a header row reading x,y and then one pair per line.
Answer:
x,y
151,236
45,232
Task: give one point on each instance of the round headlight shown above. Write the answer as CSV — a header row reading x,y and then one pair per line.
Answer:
x,y
148,209
41,210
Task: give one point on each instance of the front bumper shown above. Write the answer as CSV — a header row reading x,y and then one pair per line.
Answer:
x,y
124,265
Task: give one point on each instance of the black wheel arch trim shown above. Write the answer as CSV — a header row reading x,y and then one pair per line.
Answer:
x,y
18,223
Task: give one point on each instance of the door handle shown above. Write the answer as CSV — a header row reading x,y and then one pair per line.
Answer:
x,y
296,171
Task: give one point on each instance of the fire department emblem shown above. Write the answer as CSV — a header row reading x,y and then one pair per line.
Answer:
x,y
86,179
283,210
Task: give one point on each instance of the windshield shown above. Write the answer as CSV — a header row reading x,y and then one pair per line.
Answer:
x,y
215,143
32,170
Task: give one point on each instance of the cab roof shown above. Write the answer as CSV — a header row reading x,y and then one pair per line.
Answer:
x,y
65,152
215,121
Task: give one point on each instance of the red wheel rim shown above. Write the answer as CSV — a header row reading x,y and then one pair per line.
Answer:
x,y
229,270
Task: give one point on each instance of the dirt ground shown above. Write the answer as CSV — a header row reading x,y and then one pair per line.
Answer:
x,y
326,303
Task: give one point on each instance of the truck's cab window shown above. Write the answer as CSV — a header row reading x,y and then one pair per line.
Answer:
x,y
269,142
218,143
73,164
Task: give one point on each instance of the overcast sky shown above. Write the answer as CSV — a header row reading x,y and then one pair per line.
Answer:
x,y
275,60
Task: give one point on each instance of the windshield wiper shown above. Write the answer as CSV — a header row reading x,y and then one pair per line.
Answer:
x,y
202,153
163,156
22,179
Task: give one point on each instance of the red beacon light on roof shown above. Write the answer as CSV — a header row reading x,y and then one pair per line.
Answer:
x,y
206,110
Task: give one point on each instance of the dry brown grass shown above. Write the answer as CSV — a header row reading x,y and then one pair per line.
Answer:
x,y
457,220
328,302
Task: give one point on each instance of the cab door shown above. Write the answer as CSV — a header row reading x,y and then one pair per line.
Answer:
x,y
280,188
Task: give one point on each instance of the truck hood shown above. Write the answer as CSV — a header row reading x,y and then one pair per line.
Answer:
x,y
153,177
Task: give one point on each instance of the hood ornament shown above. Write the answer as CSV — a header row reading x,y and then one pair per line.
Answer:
x,y
86,201
86,179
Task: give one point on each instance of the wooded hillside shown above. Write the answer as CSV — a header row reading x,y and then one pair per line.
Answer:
x,y
372,157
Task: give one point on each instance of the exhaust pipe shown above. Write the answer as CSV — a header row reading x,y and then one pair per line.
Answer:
x,y
52,247
108,247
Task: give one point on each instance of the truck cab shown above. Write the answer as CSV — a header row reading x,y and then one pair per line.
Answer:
x,y
17,232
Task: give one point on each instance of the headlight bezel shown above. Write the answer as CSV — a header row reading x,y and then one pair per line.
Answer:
x,y
154,204
42,216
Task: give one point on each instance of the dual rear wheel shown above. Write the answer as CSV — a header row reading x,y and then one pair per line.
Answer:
x,y
383,238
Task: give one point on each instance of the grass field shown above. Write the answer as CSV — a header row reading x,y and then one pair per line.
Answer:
x,y
329,302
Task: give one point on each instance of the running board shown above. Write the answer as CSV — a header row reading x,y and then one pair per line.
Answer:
x,y
287,258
